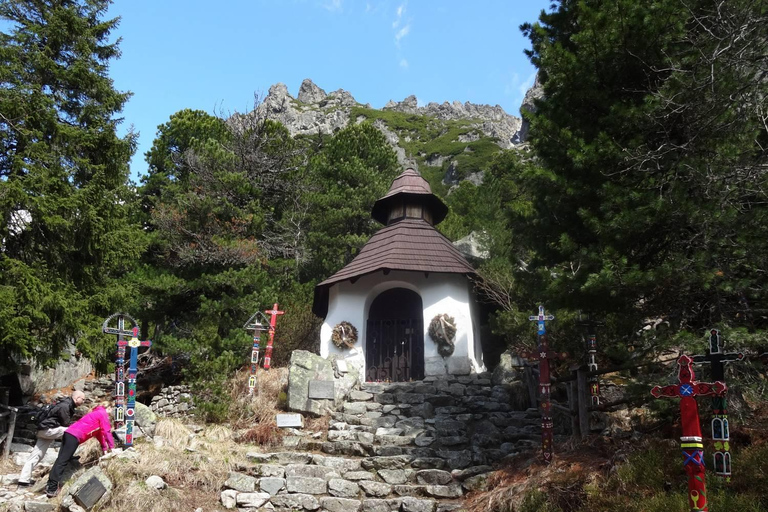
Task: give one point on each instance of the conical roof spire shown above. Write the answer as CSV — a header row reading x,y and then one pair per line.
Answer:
x,y
409,196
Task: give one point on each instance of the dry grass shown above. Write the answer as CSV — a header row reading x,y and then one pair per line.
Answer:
x,y
173,432
267,400
194,478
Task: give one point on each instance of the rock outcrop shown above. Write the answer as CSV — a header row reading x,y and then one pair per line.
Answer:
x,y
315,111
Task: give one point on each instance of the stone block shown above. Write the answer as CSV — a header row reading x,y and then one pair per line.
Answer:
x,y
240,482
229,498
343,488
295,501
269,470
311,471
375,489
459,365
360,396
340,464
39,506
306,485
393,476
434,366
358,476
271,485
252,499
433,477
410,504
340,504
444,491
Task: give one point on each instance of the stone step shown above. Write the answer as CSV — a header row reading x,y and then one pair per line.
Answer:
x,y
306,481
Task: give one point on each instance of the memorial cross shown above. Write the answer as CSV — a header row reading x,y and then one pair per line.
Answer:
x,y
272,322
130,408
693,450
255,324
591,342
120,331
720,427
543,354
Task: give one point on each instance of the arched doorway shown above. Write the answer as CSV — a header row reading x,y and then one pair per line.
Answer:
x,y
394,345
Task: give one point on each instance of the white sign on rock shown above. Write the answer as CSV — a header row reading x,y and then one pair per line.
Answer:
x,y
290,420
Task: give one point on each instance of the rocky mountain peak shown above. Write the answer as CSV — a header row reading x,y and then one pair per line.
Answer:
x,y
310,93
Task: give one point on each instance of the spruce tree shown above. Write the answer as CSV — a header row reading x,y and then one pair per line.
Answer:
x,y
64,231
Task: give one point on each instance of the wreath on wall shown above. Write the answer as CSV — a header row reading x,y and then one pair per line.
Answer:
x,y
344,335
442,330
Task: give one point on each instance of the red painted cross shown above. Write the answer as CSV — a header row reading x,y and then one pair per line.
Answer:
x,y
693,449
272,323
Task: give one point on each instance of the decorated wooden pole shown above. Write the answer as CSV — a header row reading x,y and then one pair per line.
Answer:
x,y
120,331
130,407
721,435
693,449
258,324
272,322
543,354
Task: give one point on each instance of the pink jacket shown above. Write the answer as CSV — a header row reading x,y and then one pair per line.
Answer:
x,y
94,424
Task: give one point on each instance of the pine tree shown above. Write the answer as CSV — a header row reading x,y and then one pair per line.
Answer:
x,y
64,230
652,163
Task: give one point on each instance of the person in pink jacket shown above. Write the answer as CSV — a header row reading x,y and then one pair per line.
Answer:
x,y
94,424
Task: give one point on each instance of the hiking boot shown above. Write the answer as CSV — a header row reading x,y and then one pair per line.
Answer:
x,y
24,484
52,493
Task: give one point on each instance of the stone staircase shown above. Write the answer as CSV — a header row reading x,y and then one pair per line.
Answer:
x,y
412,447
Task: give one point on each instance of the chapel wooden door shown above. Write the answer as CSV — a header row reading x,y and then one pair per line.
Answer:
x,y
394,346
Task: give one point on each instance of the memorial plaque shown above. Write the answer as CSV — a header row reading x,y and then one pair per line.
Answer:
x,y
90,493
342,366
322,389
290,420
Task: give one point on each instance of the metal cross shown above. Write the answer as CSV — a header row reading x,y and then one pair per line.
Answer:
x,y
720,427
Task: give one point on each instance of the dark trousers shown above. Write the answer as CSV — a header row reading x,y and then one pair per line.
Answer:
x,y
69,444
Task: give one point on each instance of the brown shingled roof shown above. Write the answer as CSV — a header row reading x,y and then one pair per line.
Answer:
x,y
409,183
410,244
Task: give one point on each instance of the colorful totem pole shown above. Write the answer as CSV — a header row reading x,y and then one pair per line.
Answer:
x,y
693,449
120,331
720,428
543,354
272,322
258,324
590,338
130,406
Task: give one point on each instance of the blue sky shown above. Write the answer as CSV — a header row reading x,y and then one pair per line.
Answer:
x,y
215,56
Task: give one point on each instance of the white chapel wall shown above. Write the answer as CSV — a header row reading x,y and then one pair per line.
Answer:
x,y
440,293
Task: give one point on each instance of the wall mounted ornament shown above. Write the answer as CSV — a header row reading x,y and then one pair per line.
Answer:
x,y
442,330
344,335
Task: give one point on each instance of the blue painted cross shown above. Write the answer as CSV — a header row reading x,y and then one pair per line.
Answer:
x,y
134,343
121,332
541,318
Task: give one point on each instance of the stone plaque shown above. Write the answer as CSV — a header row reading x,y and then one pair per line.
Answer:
x,y
322,389
290,420
90,493
342,366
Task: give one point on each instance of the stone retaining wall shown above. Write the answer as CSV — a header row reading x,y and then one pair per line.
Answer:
x,y
406,447
173,402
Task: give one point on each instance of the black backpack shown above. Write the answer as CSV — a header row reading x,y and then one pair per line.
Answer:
x,y
43,413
